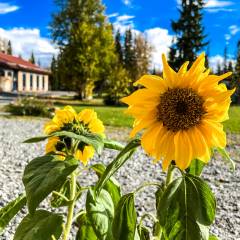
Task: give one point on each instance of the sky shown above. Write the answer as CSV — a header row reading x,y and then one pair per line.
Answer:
x,y
26,24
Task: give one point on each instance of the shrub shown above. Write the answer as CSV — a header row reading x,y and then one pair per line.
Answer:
x,y
30,106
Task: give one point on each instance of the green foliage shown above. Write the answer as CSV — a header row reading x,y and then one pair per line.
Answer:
x,y
32,58
125,219
111,186
10,210
121,158
100,212
85,231
40,226
196,167
111,144
44,175
144,233
30,106
187,208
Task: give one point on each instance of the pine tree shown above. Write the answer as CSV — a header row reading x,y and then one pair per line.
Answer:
x,y
32,58
9,48
219,69
118,46
130,62
86,43
189,33
225,60
236,76
54,76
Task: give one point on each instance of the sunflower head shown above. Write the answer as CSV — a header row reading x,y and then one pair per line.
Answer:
x,y
79,123
180,113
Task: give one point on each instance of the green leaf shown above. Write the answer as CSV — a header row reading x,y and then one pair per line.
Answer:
x,y
44,175
196,167
227,158
100,212
40,226
94,140
112,185
121,158
58,201
113,144
212,237
10,210
36,139
125,219
187,209
85,231
143,233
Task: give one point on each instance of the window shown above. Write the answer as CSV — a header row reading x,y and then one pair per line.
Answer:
x,y
9,74
43,82
37,82
24,80
2,73
31,81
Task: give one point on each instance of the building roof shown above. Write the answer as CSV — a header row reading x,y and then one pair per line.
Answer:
x,y
18,63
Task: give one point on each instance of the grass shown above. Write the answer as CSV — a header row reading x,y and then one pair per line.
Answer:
x,y
233,124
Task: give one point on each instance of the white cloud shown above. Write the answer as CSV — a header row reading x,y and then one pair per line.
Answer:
x,y
25,40
7,8
217,3
227,37
112,15
218,59
124,18
234,29
127,2
161,40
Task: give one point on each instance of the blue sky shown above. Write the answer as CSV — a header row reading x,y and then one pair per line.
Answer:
x,y
25,22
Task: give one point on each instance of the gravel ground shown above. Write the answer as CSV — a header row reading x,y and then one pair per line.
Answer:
x,y
14,156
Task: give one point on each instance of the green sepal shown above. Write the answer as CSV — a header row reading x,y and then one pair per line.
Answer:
x,y
196,167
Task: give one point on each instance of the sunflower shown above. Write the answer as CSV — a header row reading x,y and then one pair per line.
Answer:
x,y
181,113
79,123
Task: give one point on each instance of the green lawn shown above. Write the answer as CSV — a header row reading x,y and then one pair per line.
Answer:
x,y
115,116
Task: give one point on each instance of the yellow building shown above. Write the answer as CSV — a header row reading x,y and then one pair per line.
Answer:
x,y
18,75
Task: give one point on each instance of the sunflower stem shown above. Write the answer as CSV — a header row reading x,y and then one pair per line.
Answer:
x,y
71,206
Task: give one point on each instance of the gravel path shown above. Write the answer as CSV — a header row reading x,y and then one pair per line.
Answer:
x,y
14,156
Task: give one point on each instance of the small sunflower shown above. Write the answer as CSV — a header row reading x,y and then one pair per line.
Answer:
x,y
68,120
181,113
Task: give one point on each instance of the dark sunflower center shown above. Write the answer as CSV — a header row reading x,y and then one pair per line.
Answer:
x,y
180,109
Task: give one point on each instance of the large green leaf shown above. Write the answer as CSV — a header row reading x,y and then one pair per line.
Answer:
x,y
227,158
10,210
187,209
85,231
113,144
64,190
121,158
112,185
196,167
100,212
94,140
44,175
125,219
40,226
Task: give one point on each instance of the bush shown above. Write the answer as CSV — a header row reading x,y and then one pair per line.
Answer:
x,y
30,106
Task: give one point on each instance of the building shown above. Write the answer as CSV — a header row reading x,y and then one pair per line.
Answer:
x,y
3,45
18,75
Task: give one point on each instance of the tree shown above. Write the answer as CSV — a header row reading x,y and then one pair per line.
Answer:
x,y
130,62
32,58
142,51
54,76
9,48
189,33
225,60
86,43
236,76
219,69
118,46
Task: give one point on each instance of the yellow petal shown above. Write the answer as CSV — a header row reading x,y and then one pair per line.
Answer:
x,y
87,115
168,73
96,126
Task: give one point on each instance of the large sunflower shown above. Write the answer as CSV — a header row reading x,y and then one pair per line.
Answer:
x,y
68,120
181,113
